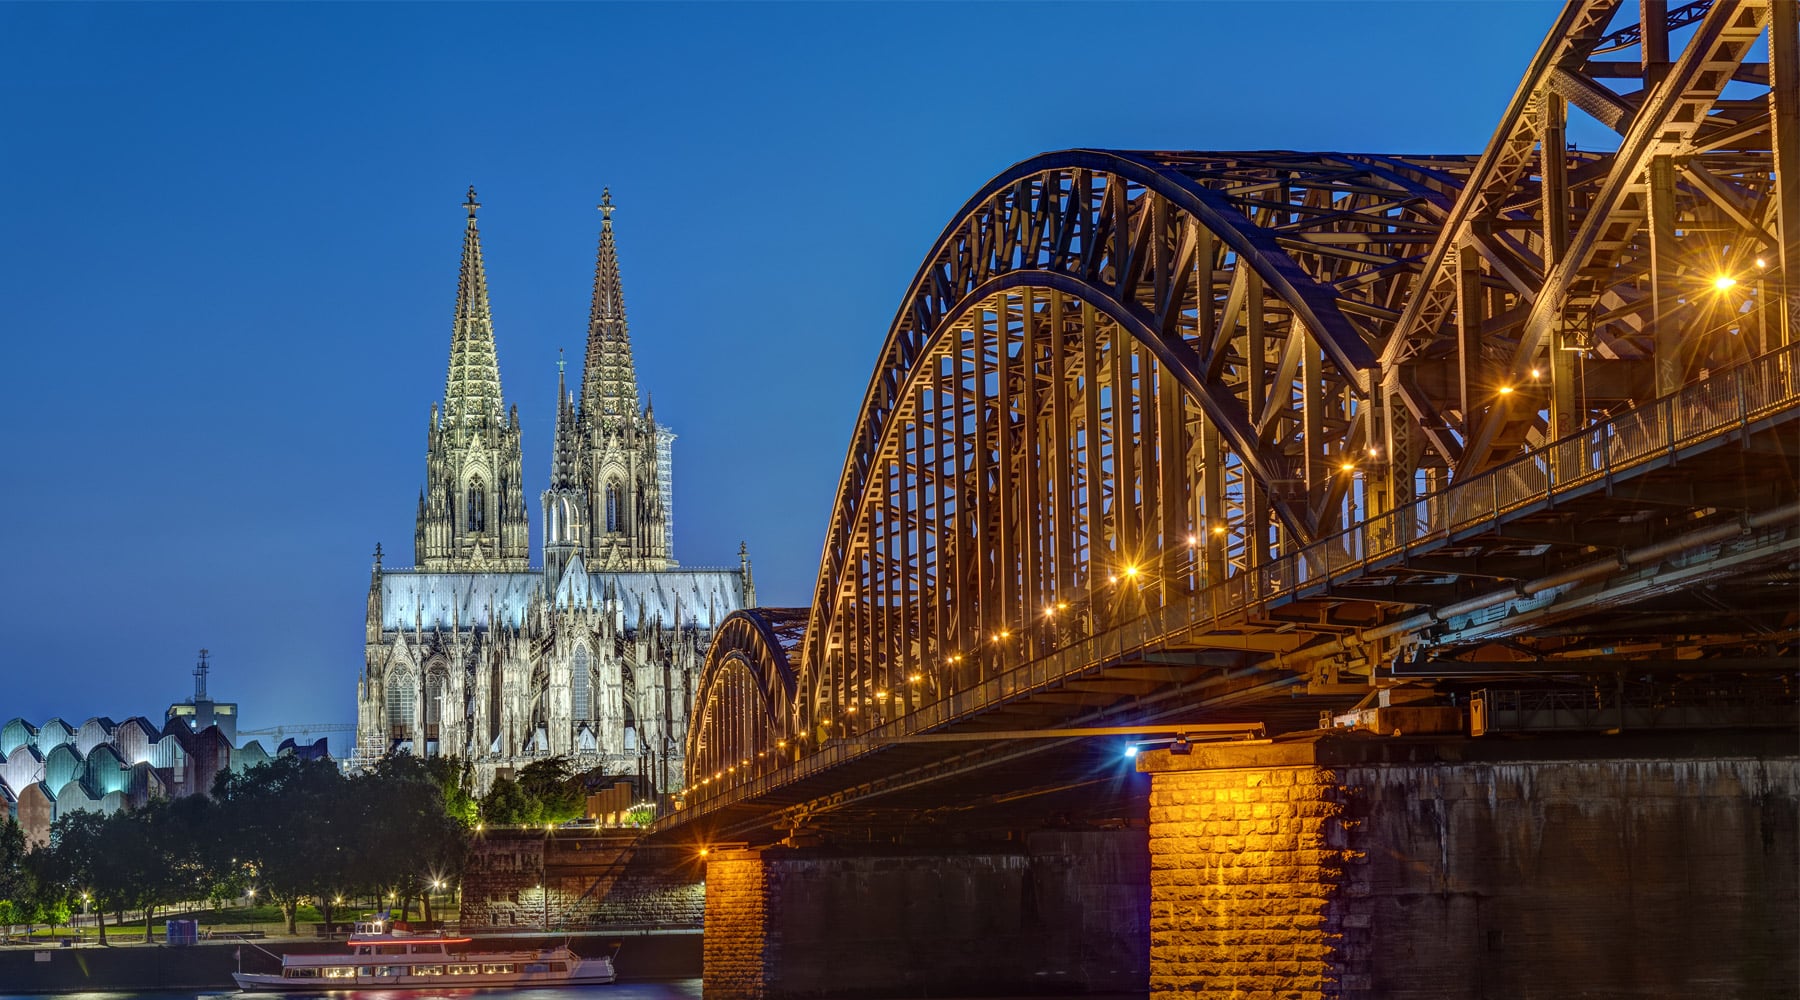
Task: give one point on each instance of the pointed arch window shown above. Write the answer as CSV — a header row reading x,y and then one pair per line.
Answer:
x,y
477,519
580,686
615,518
402,704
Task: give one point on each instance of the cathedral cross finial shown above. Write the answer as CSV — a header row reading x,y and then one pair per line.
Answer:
x,y
606,205
471,204
377,555
561,362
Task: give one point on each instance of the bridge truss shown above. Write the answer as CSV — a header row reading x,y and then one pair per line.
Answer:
x,y
1315,415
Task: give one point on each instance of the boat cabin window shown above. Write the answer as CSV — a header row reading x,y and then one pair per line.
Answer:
x,y
465,970
559,966
428,949
366,970
338,972
390,949
363,949
502,967
390,970
300,973
428,970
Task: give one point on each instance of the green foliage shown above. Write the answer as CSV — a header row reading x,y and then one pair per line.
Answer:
x,y
507,804
16,881
9,915
285,822
56,912
557,793
292,829
455,778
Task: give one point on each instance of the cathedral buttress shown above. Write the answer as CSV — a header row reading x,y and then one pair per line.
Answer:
x,y
472,512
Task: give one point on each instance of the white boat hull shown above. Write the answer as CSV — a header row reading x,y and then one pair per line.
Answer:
x,y
316,978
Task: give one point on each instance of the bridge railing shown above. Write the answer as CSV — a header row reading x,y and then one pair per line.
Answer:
x,y
1728,400
1693,414
1699,411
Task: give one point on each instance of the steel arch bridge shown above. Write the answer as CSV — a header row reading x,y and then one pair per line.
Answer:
x,y
1134,401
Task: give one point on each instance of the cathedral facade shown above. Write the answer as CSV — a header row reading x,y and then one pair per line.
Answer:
x,y
594,655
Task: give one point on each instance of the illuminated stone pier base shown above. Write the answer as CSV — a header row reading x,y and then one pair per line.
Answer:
x,y
1060,912
1341,866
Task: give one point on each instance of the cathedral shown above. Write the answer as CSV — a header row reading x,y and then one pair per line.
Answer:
x,y
596,654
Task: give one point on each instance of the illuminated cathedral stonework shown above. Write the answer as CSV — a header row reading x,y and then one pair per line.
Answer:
x,y
595,655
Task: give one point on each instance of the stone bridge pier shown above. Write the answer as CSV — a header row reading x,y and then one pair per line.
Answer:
x,y
1340,865
1057,912
1326,865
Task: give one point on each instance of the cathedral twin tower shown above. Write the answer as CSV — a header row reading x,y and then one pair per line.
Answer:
x,y
595,655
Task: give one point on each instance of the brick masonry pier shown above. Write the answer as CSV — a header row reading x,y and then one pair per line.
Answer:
x,y
1064,912
1339,866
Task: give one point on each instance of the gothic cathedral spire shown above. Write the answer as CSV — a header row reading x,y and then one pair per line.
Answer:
x,y
626,468
472,511
609,393
565,502
472,388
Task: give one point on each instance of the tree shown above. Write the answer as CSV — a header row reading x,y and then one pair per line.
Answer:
x,y
79,860
549,782
55,911
283,823
408,837
507,804
17,885
455,777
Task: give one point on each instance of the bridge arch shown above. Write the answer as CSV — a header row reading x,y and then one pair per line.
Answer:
x,y
1155,368
744,701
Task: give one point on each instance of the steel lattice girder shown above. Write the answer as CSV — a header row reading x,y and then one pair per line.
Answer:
x,y
1301,258
1417,312
746,689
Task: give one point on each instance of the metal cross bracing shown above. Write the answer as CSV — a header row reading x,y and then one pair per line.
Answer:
x,y
1152,424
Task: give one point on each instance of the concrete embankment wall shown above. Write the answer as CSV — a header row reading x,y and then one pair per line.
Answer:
x,y
575,880
209,966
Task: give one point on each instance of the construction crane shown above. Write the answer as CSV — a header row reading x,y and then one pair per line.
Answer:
x,y
311,729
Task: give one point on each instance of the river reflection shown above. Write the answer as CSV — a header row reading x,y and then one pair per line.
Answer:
x,y
673,989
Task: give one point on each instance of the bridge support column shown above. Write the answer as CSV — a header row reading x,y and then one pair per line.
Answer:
x,y
1054,911
1344,865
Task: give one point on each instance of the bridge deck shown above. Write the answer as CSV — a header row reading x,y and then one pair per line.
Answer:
x,y
1623,522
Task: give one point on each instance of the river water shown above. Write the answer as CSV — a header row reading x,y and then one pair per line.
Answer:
x,y
677,989
668,989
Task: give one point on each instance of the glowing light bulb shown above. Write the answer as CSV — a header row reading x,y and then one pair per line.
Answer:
x,y
1506,390
1724,282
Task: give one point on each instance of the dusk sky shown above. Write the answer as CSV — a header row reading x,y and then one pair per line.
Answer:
x,y
231,248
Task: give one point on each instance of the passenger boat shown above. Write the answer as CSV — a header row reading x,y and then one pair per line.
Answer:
x,y
383,958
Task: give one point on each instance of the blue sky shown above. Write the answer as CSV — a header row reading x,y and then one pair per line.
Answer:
x,y
232,232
